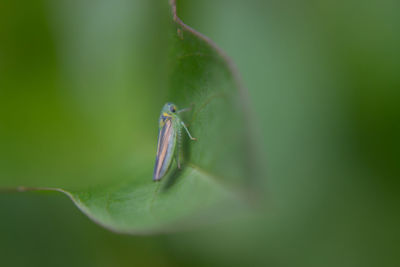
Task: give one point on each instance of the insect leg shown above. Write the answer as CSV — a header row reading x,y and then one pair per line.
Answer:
x,y
184,126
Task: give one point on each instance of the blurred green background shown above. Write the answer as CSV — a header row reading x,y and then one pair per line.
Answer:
x,y
323,80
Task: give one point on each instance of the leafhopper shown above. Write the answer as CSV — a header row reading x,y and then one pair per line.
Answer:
x,y
169,135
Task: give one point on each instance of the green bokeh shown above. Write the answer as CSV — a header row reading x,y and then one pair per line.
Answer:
x,y
324,86
80,82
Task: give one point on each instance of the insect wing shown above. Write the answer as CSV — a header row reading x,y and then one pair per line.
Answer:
x,y
165,149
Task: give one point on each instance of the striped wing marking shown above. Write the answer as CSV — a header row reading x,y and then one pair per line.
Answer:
x,y
165,147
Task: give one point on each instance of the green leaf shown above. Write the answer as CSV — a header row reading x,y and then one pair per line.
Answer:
x,y
97,145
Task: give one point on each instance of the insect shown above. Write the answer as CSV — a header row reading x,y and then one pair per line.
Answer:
x,y
169,134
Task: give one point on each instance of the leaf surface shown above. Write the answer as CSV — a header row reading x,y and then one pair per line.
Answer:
x,y
103,160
